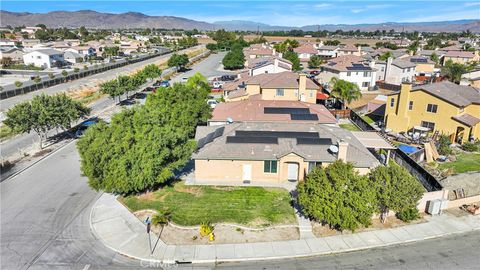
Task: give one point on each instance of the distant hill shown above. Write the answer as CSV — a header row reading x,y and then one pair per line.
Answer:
x,y
93,19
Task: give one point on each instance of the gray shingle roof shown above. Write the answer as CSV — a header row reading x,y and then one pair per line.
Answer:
x,y
49,51
459,95
219,149
403,63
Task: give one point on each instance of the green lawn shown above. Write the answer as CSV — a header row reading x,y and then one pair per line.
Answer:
x,y
350,127
464,163
368,119
192,205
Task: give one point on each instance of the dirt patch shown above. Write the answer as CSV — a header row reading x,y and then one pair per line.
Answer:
x,y
147,196
42,152
196,191
224,234
320,230
223,188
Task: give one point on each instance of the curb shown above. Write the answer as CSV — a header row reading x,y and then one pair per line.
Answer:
x,y
295,256
37,161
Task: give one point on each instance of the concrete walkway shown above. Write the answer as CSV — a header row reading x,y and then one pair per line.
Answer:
x,y
121,231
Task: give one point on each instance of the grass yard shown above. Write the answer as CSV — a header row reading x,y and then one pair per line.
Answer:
x,y
192,205
350,127
368,119
464,163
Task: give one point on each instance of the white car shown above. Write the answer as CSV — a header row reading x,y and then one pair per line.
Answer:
x,y
184,80
218,84
212,103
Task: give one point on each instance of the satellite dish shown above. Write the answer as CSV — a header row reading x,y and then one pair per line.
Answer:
x,y
333,149
229,120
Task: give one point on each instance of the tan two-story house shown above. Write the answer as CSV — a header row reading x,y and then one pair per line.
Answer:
x,y
278,86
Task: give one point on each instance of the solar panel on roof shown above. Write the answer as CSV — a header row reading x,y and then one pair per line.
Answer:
x,y
285,110
309,117
252,139
418,60
314,141
358,67
278,134
209,138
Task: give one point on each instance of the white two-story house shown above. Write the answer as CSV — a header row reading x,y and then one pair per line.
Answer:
x,y
395,71
351,68
44,58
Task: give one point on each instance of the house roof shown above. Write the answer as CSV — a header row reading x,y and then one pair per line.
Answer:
x,y
348,63
268,60
461,54
349,48
459,95
403,63
456,47
253,110
328,48
306,48
286,79
418,59
218,148
430,52
72,55
48,51
467,119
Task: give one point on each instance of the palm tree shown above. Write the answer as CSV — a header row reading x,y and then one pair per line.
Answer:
x,y
345,90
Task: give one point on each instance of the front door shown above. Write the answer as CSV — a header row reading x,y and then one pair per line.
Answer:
x,y
247,173
292,171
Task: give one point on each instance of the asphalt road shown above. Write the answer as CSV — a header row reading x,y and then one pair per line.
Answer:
x,y
87,81
208,67
44,223
211,66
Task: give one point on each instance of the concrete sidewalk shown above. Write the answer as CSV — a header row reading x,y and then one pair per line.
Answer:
x,y
121,231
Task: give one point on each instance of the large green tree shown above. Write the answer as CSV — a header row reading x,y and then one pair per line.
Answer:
x,y
396,189
143,146
293,57
234,59
453,71
338,196
44,113
179,61
345,90
315,61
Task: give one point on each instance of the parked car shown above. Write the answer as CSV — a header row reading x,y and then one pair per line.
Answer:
x,y
228,77
212,103
218,84
315,72
163,83
84,126
184,80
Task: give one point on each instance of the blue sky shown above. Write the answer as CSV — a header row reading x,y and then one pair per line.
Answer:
x,y
287,13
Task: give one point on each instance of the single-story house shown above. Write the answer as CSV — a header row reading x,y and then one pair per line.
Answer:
x,y
273,153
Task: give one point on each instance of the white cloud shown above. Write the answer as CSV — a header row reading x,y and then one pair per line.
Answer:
x,y
320,6
358,10
471,4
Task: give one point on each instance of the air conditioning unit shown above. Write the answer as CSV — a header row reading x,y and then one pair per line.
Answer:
x,y
434,207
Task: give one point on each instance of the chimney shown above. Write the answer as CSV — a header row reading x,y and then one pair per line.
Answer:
x,y
342,150
302,84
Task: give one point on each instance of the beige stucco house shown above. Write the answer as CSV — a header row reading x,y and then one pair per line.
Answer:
x,y
278,86
273,153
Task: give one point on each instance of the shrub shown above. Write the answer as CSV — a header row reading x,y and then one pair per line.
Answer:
x,y
18,84
206,229
160,219
471,147
76,70
444,145
64,73
37,79
408,214
85,67
51,76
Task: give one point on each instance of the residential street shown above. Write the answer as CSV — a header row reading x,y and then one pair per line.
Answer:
x,y
46,226
209,67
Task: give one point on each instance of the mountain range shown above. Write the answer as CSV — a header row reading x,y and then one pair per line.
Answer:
x,y
94,19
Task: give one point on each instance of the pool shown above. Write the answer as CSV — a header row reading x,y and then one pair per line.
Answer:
x,y
407,148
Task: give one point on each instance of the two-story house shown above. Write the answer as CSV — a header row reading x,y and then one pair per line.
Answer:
x,y
305,51
45,58
395,71
451,109
460,57
351,68
328,51
277,86
268,64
